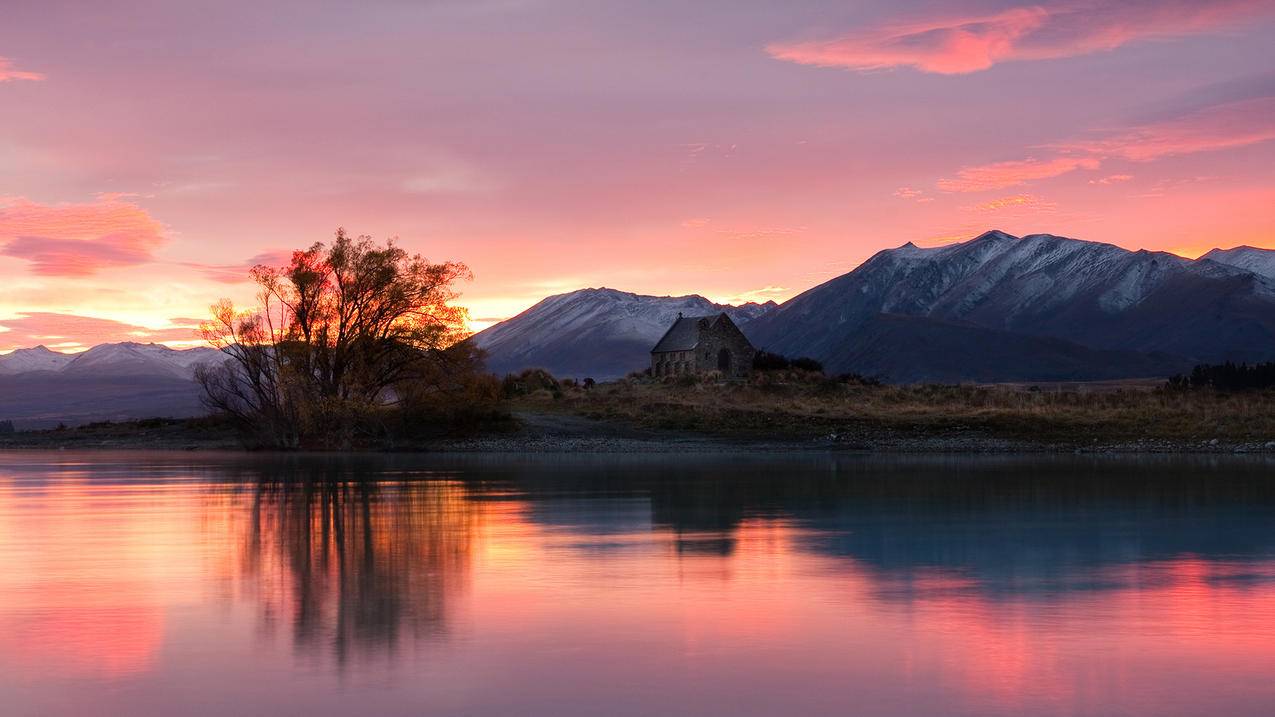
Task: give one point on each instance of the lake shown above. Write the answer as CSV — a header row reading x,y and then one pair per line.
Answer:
x,y
795,584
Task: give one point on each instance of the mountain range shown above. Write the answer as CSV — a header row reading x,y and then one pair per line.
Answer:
x,y
994,308
598,333
40,388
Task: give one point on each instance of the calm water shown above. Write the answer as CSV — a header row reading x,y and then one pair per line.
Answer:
x,y
221,585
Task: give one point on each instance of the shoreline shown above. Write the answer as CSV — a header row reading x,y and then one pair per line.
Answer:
x,y
556,434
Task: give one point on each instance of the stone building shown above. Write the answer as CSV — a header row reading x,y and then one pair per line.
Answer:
x,y
702,344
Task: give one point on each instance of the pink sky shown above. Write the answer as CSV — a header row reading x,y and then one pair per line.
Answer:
x,y
150,153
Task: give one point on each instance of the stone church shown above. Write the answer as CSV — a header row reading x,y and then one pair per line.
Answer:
x,y
702,344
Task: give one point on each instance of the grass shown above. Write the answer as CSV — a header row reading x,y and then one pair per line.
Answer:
x,y
797,405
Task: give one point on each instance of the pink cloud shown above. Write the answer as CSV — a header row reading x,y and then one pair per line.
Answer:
x,y
999,175
8,73
78,239
1112,179
970,43
1223,126
1232,124
68,330
237,273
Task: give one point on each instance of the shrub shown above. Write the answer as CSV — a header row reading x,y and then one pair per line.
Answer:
x,y
1226,377
807,364
527,382
767,361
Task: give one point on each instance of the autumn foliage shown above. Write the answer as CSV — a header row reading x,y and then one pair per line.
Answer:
x,y
349,342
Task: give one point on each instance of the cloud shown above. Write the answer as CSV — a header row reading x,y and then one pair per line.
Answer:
x,y
1015,202
237,273
9,74
917,195
761,296
1223,126
448,175
30,328
1112,179
958,44
78,239
999,175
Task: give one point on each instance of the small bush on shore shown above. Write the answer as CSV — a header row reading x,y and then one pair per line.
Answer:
x,y
767,361
1226,377
527,382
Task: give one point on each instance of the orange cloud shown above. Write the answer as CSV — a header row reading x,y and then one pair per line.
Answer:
x,y
71,331
999,175
78,239
1015,202
9,74
913,194
970,43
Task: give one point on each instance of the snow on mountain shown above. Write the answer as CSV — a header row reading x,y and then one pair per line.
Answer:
x,y
600,333
1097,296
129,358
122,359
1249,258
42,388
38,358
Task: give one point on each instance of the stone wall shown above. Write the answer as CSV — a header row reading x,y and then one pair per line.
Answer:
x,y
721,347
673,363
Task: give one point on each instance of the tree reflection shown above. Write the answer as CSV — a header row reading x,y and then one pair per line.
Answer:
x,y
356,566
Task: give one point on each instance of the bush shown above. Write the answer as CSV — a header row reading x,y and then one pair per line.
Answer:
x,y
858,379
767,361
527,382
1226,377
807,364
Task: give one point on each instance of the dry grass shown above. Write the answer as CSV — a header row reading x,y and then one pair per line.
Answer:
x,y
794,405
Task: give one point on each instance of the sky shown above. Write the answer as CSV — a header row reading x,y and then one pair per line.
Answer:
x,y
150,153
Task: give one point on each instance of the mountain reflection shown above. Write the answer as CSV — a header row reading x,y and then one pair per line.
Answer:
x,y
1008,525
659,584
351,565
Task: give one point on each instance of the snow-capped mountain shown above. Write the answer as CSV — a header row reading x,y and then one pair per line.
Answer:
x,y
1097,297
42,388
599,333
38,358
130,358
1249,258
121,359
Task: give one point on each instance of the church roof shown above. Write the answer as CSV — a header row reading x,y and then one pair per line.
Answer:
x,y
683,335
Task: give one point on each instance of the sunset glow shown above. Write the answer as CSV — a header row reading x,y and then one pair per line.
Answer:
x,y
150,154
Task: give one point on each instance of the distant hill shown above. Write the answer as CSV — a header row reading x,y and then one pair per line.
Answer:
x,y
40,388
597,333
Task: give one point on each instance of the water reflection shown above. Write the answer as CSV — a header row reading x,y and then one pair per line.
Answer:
x,y
666,584
354,564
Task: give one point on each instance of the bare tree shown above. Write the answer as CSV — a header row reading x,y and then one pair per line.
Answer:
x,y
335,337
